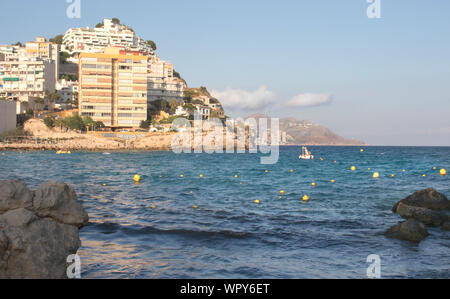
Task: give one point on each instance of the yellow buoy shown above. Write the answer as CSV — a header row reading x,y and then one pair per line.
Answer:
x,y
313,184
236,176
392,175
181,175
305,197
353,168
153,207
201,176
376,175
424,175
404,170
195,207
291,171
137,178
333,181
267,171
434,168
443,172
369,169
69,152
362,150
282,192
104,185
256,201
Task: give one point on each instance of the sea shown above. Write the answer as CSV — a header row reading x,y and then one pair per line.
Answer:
x,y
223,215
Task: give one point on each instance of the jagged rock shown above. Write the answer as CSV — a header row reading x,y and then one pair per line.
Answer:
x,y
59,201
14,195
411,230
428,198
35,240
426,216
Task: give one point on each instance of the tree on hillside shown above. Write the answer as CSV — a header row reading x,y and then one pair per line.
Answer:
x,y
63,57
173,104
176,74
145,124
99,25
160,105
57,39
152,44
115,21
18,44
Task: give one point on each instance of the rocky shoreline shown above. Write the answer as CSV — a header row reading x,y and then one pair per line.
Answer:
x,y
421,209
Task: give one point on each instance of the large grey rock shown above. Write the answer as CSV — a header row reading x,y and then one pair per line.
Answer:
x,y
37,247
35,240
426,216
411,230
428,198
59,201
14,195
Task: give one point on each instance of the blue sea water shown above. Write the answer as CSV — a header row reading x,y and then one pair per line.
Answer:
x,y
229,235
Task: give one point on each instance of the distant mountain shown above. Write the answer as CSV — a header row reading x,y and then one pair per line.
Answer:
x,y
295,132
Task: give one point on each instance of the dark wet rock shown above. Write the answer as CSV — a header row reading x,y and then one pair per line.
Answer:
x,y
39,231
426,216
411,230
428,198
446,226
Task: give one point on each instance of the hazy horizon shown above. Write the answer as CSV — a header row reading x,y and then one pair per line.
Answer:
x,y
383,81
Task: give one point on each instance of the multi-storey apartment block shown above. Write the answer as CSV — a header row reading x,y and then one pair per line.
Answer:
x,y
162,85
44,50
25,79
94,40
113,87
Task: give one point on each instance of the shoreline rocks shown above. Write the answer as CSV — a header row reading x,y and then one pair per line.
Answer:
x,y
424,207
411,230
38,230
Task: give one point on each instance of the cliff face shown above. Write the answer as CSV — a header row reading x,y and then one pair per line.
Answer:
x,y
309,133
306,132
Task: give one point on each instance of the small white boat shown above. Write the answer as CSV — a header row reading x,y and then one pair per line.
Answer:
x,y
306,155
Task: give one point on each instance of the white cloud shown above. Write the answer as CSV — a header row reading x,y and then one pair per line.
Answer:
x,y
242,101
310,100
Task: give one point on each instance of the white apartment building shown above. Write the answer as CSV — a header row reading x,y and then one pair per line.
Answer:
x,y
203,111
7,115
67,90
44,50
7,51
95,40
25,78
161,84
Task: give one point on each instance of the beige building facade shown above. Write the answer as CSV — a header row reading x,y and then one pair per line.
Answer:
x,y
113,87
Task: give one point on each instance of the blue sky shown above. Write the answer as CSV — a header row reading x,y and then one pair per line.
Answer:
x,y
386,81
